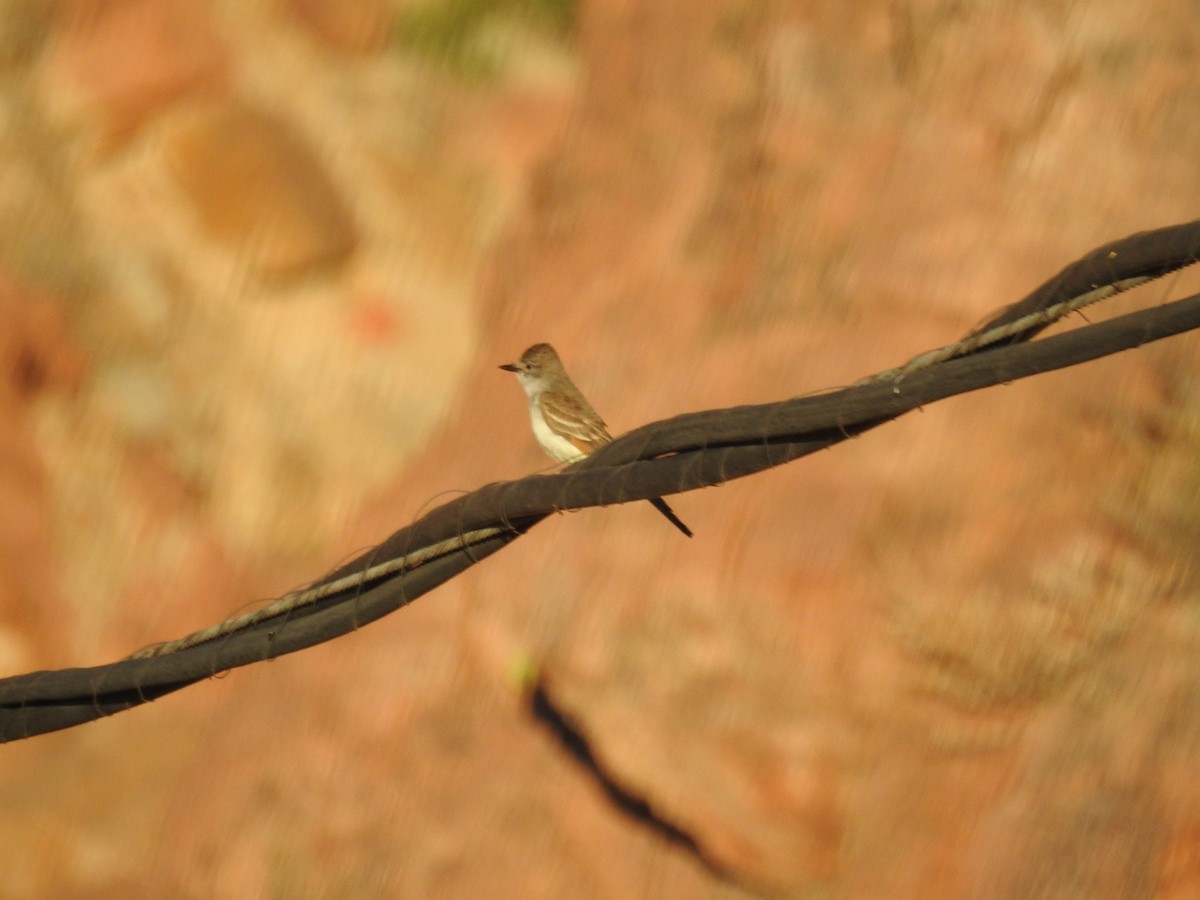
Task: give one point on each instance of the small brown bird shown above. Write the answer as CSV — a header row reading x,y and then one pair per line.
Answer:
x,y
564,423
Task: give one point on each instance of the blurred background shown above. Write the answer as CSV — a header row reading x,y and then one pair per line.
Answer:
x,y
259,260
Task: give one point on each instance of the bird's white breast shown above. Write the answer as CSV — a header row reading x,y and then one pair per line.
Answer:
x,y
555,445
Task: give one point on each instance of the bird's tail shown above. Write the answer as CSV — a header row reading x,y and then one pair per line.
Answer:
x,y
661,505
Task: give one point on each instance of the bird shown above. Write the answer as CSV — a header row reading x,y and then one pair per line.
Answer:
x,y
564,423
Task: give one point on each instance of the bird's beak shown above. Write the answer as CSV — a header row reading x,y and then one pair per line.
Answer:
x,y
510,367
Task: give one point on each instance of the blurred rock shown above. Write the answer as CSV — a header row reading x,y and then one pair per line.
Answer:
x,y
255,184
361,26
24,26
38,356
129,59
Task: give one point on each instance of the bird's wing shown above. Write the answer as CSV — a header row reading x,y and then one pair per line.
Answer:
x,y
575,421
